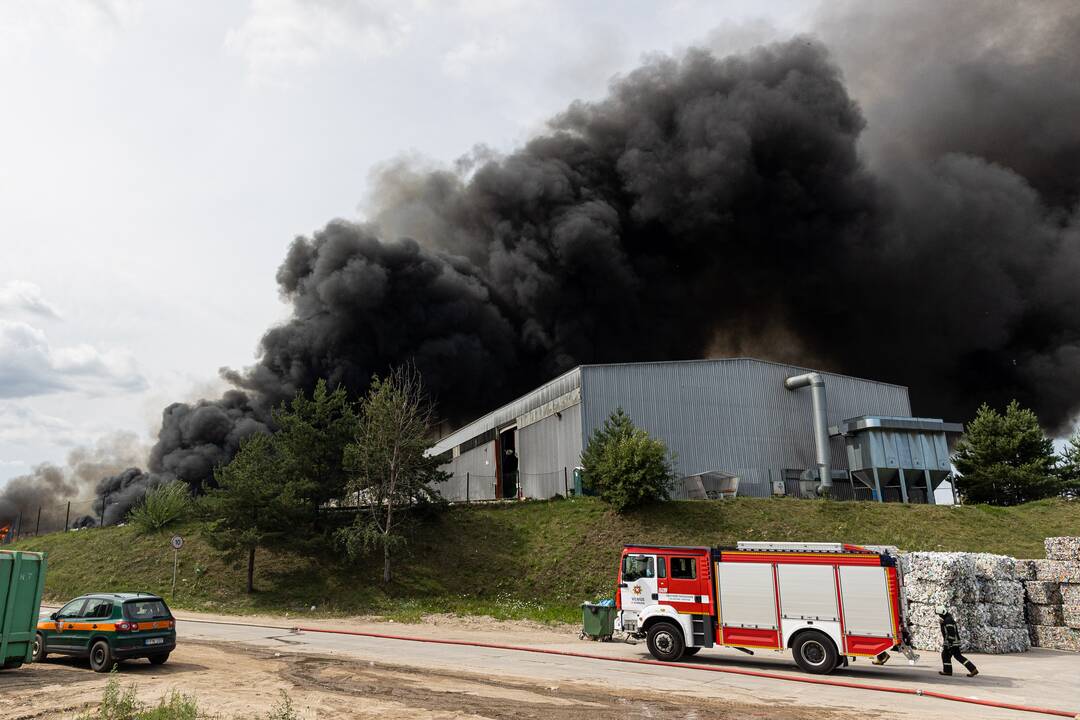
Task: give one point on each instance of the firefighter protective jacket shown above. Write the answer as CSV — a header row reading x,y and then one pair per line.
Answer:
x,y
950,632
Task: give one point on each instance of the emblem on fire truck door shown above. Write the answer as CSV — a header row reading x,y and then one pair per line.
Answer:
x,y
637,589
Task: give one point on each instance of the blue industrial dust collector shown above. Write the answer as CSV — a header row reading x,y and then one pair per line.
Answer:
x,y
901,459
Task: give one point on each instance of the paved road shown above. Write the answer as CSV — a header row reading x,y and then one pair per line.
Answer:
x,y
1040,677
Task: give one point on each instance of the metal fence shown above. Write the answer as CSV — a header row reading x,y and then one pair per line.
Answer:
x,y
44,519
475,487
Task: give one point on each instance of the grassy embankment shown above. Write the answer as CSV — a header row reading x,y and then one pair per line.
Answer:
x,y
534,560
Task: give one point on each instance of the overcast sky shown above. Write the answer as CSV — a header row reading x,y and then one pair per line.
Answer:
x,y
158,157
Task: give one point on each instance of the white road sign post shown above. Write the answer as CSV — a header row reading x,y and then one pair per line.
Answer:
x,y
177,542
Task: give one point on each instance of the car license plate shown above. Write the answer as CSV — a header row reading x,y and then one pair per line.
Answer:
x,y
154,641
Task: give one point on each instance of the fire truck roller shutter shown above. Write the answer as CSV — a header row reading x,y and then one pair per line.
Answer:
x,y
868,610
747,604
808,601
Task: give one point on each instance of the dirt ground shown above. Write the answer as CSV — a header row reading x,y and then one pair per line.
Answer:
x,y
241,682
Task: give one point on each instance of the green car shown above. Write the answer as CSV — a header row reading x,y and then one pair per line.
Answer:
x,y
107,628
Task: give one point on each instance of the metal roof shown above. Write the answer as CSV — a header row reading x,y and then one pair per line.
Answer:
x,y
910,424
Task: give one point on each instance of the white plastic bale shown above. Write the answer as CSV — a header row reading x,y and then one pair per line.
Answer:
x,y
1062,571
1044,592
1044,614
997,640
1002,616
951,595
1025,569
995,567
1001,592
1070,593
1056,638
1070,616
1062,548
937,567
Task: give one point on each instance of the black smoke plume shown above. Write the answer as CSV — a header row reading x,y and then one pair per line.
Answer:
x,y
912,219
723,205
47,491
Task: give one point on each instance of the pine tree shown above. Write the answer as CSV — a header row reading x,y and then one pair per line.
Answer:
x,y
1069,466
626,467
1005,459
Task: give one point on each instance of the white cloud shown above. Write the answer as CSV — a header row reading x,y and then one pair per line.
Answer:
x,y
30,366
21,424
86,27
19,296
459,62
280,35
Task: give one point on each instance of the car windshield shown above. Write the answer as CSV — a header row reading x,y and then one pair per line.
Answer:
x,y
138,610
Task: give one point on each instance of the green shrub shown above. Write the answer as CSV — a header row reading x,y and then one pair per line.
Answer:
x,y
626,467
162,506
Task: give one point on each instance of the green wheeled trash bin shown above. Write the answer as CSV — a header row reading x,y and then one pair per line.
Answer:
x,y
597,621
22,580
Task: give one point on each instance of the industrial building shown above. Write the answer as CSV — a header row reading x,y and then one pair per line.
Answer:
x,y
740,425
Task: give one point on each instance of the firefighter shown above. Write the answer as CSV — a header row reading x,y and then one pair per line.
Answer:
x,y
950,638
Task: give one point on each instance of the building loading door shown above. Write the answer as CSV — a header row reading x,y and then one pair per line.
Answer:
x,y
508,463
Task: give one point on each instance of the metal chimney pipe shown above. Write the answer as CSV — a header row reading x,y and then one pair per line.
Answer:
x,y
816,383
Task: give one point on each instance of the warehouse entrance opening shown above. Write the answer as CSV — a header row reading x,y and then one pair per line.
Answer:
x,y
508,465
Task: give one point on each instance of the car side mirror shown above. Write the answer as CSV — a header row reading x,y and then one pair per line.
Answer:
x,y
55,615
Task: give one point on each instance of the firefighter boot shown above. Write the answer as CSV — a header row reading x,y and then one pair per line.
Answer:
x,y
972,670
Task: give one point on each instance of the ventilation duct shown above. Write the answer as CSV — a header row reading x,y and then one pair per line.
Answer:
x,y
816,383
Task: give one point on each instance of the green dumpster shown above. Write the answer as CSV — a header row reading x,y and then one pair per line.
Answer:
x,y
22,579
597,621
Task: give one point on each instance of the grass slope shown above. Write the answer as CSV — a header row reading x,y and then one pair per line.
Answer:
x,y
524,560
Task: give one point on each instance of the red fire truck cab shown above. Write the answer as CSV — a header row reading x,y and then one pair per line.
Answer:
x,y
825,601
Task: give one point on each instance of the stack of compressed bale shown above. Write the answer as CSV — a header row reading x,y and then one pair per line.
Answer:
x,y
982,591
1001,626
1053,596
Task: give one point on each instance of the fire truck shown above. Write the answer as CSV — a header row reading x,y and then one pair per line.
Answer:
x,y
826,602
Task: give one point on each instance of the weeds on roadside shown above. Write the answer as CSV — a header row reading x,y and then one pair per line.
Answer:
x,y
163,506
283,710
122,704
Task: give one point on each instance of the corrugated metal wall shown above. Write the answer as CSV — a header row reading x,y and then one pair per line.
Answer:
x,y
497,419
474,472
731,415
548,451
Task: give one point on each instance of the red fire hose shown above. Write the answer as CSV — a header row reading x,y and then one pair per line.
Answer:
x,y
711,668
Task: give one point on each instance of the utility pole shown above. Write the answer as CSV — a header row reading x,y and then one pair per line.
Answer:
x,y
67,516
101,519
37,528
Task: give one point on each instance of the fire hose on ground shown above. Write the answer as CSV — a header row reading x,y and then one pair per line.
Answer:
x,y
711,668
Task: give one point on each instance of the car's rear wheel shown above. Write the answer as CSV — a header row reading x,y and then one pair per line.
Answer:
x,y
39,647
158,659
101,659
815,652
665,642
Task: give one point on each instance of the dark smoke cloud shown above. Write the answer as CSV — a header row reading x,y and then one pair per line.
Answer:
x,y
635,229
974,129
196,437
49,487
912,218
125,490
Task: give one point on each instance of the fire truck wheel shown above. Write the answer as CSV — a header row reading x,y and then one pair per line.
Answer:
x,y
690,651
666,642
815,652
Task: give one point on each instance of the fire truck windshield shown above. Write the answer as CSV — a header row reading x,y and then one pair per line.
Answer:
x,y
636,567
